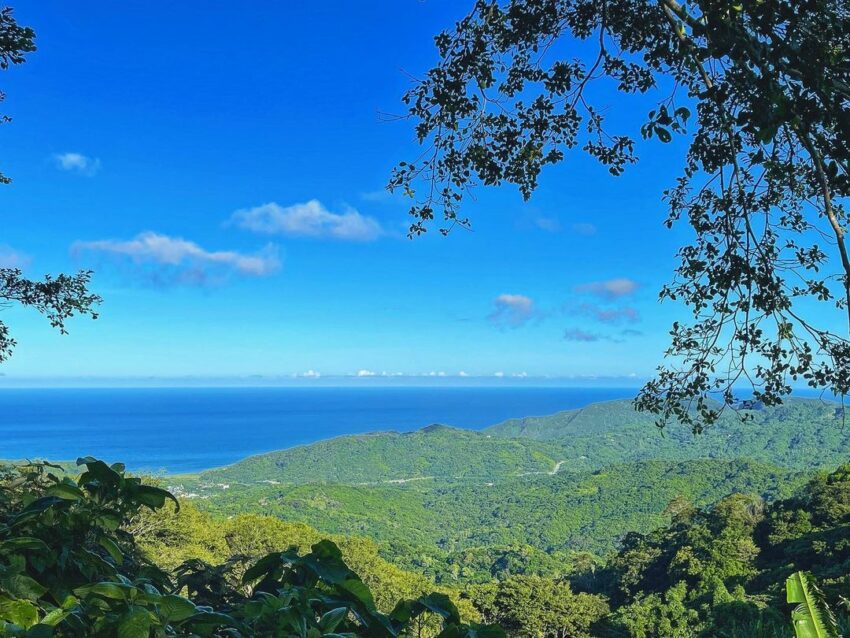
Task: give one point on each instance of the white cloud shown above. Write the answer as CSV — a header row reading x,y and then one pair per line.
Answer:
x,y
308,219
520,375
610,288
77,163
366,373
310,374
512,310
462,374
11,258
499,374
549,224
189,261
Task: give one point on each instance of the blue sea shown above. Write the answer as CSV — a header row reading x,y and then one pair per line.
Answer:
x,y
178,430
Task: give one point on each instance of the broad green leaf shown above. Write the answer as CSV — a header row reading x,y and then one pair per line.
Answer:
x,y
360,591
262,567
176,608
66,491
22,543
112,549
135,624
22,586
115,591
19,612
811,617
153,497
440,604
330,620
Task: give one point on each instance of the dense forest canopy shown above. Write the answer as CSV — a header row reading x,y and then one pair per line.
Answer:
x,y
761,89
96,552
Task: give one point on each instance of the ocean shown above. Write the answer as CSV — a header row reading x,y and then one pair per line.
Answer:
x,y
183,430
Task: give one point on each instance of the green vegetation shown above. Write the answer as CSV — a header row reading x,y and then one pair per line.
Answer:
x,y
802,434
619,538
812,617
105,554
471,532
508,526
71,565
721,571
529,496
434,451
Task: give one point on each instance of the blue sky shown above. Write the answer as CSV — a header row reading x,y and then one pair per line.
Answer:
x,y
221,168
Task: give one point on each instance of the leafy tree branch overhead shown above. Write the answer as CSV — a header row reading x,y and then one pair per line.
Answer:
x,y
761,90
58,298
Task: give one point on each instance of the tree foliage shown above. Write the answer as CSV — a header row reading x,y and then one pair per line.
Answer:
x,y
70,567
58,298
15,42
762,91
534,607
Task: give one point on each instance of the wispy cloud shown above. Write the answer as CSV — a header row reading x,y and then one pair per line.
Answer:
x,y
382,195
584,228
77,163
577,334
586,336
11,258
512,311
610,288
308,219
624,314
549,224
188,262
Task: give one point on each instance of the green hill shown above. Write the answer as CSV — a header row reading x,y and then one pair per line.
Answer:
x,y
435,451
525,494
801,434
418,524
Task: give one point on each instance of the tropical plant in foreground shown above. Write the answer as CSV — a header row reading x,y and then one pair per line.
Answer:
x,y
812,617
70,567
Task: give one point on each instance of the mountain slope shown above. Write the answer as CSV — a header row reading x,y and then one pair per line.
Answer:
x,y
435,451
552,513
801,434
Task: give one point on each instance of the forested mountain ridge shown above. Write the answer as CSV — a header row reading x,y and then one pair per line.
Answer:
x,y
434,451
802,434
466,531
528,495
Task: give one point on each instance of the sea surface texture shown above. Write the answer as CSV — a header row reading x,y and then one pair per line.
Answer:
x,y
181,430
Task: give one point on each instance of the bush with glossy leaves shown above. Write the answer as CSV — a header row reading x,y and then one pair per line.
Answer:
x,y
70,567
